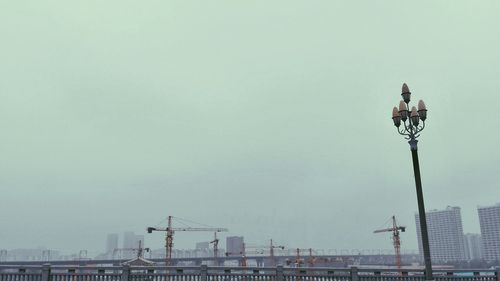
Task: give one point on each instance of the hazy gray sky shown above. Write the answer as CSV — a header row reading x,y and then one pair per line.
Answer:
x,y
270,118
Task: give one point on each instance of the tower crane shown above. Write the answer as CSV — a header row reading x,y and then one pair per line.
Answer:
x,y
271,252
260,250
244,252
395,229
140,251
243,261
216,248
169,238
299,261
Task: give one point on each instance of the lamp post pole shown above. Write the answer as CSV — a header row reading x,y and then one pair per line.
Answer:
x,y
411,130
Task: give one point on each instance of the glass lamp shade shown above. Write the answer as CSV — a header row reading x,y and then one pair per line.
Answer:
x,y
422,110
403,111
405,93
396,117
414,116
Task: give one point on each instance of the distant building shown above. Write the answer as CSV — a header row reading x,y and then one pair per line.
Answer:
x,y
202,245
446,237
40,254
3,255
158,253
489,221
234,245
203,250
129,240
472,246
111,242
131,244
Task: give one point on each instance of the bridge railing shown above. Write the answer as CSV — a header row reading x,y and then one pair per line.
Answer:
x,y
204,273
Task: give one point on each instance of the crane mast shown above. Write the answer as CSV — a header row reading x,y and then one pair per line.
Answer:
x,y
216,249
271,252
169,242
169,237
396,240
244,252
299,261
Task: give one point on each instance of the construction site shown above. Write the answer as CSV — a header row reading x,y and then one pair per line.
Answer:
x,y
273,253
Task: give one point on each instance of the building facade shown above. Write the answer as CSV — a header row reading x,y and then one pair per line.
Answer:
x,y
489,222
111,242
446,237
472,246
131,243
234,245
129,240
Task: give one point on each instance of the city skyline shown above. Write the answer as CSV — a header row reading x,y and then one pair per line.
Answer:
x,y
271,119
439,224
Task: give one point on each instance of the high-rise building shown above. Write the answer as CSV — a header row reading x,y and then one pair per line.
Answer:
x,y
129,240
234,245
111,242
472,246
489,221
131,244
446,237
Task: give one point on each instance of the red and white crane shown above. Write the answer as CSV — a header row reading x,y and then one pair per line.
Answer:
x,y
169,238
396,241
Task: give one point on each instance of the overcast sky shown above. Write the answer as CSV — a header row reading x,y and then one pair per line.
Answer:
x,y
270,118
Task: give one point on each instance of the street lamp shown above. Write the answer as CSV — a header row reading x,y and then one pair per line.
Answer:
x,y
410,119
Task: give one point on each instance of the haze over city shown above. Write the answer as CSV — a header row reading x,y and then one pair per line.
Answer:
x,y
269,118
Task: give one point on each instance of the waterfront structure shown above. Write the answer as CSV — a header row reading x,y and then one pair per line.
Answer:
x,y
446,237
472,246
489,222
234,245
158,257
131,272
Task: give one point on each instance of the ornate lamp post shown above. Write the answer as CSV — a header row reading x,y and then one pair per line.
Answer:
x,y
411,130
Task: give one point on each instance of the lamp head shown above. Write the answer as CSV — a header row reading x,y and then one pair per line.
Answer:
x,y
405,93
403,111
422,110
396,117
414,116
